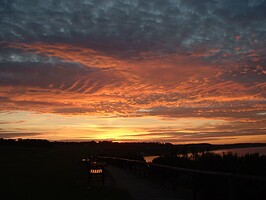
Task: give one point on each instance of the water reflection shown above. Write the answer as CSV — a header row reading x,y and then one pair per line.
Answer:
x,y
238,151
242,151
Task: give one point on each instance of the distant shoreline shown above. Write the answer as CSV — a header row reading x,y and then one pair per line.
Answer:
x,y
242,151
140,148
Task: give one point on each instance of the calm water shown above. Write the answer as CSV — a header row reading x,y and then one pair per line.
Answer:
x,y
240,152
243,151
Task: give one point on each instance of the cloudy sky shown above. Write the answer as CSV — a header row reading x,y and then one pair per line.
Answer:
x,y
180,71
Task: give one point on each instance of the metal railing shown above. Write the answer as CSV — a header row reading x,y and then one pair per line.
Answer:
x,y
202,184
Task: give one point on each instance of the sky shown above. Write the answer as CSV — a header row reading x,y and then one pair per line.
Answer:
x,y
179,71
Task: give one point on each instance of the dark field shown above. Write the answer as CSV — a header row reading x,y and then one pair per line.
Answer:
x,y
39,169
49,173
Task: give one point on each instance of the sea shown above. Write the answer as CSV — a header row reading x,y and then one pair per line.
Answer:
x,y
243,151
238,151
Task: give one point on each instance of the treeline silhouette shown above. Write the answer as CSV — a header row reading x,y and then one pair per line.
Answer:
x,y
130,150
147,148
195,156
26,142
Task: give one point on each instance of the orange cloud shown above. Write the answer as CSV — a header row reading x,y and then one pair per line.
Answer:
x,y
166,85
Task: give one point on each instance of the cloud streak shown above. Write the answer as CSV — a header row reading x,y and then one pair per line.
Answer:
x,y
164,59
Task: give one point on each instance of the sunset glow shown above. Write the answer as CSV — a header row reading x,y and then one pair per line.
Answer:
x,y
153,71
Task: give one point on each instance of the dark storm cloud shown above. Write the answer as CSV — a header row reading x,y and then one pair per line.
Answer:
x,y
137,25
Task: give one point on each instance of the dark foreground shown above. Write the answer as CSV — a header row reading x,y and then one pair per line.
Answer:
x,y
49,173
39,169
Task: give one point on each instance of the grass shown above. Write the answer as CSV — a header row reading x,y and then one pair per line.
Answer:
x,y
49,173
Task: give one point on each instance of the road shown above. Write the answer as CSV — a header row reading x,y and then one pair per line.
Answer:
x,y
142,189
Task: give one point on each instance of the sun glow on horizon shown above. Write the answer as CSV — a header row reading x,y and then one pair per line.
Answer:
x,y
164,71
83,128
